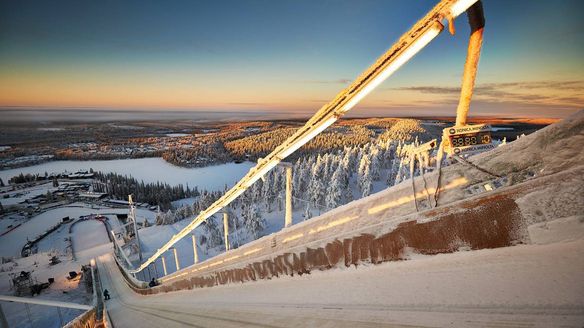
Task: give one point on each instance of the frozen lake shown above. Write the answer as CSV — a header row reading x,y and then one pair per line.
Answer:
x,y
148,170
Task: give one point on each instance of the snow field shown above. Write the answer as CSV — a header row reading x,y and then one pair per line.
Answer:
x,y
147,169
12,243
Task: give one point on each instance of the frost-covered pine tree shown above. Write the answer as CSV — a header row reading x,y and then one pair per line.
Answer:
x,y
188,211
254,222
334,196
181,213
304,180
328,169
307,212
195,208
348,195
277,187
234,224
169,217
346,188
387,158
298,181
256,191
346,162
364,166
393,171
316,185
267,193
212,232
359,158
375,165
366,183
159,218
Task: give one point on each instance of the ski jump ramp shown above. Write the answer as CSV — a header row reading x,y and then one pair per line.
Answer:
x,y
377,259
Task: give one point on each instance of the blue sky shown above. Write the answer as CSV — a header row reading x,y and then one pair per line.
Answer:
x,y
282,56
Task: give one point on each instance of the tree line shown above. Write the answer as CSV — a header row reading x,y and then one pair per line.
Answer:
x,y
161,194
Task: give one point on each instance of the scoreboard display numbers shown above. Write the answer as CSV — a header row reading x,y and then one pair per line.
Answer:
x,y
468,139
461,140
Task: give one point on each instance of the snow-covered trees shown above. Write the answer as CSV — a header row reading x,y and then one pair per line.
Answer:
x,y
267,194
165,218
212,232
183,212
364,177
159,218
322,179
334,194
366,183
335,138
120,186
375,166
169,217
307,212
316,185
405,130
254,222
393,171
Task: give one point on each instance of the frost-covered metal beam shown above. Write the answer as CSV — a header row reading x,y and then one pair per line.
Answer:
x,y
422,33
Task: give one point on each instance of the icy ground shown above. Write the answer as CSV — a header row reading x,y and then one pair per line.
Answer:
x,y
147,169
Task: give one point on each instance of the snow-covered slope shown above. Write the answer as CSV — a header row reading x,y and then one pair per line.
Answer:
x,y
521,192
521,286
537,200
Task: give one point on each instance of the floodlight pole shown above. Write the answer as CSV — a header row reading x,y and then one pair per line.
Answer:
x,y
476,19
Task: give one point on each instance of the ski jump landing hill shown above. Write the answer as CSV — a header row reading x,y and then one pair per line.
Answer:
x,y
505,197
501,249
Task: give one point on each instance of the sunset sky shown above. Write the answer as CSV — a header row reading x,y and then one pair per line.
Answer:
x,y
282,56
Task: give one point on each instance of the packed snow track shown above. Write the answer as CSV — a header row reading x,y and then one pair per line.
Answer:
x,y
521,286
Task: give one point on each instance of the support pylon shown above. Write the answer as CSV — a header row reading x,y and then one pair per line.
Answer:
x,y
195,253
176,258
288,219
164,265
226,229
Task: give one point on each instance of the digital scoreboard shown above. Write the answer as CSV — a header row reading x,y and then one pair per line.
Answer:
x,y
468,139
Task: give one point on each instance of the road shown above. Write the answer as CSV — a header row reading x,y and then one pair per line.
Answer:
x,y
520,286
